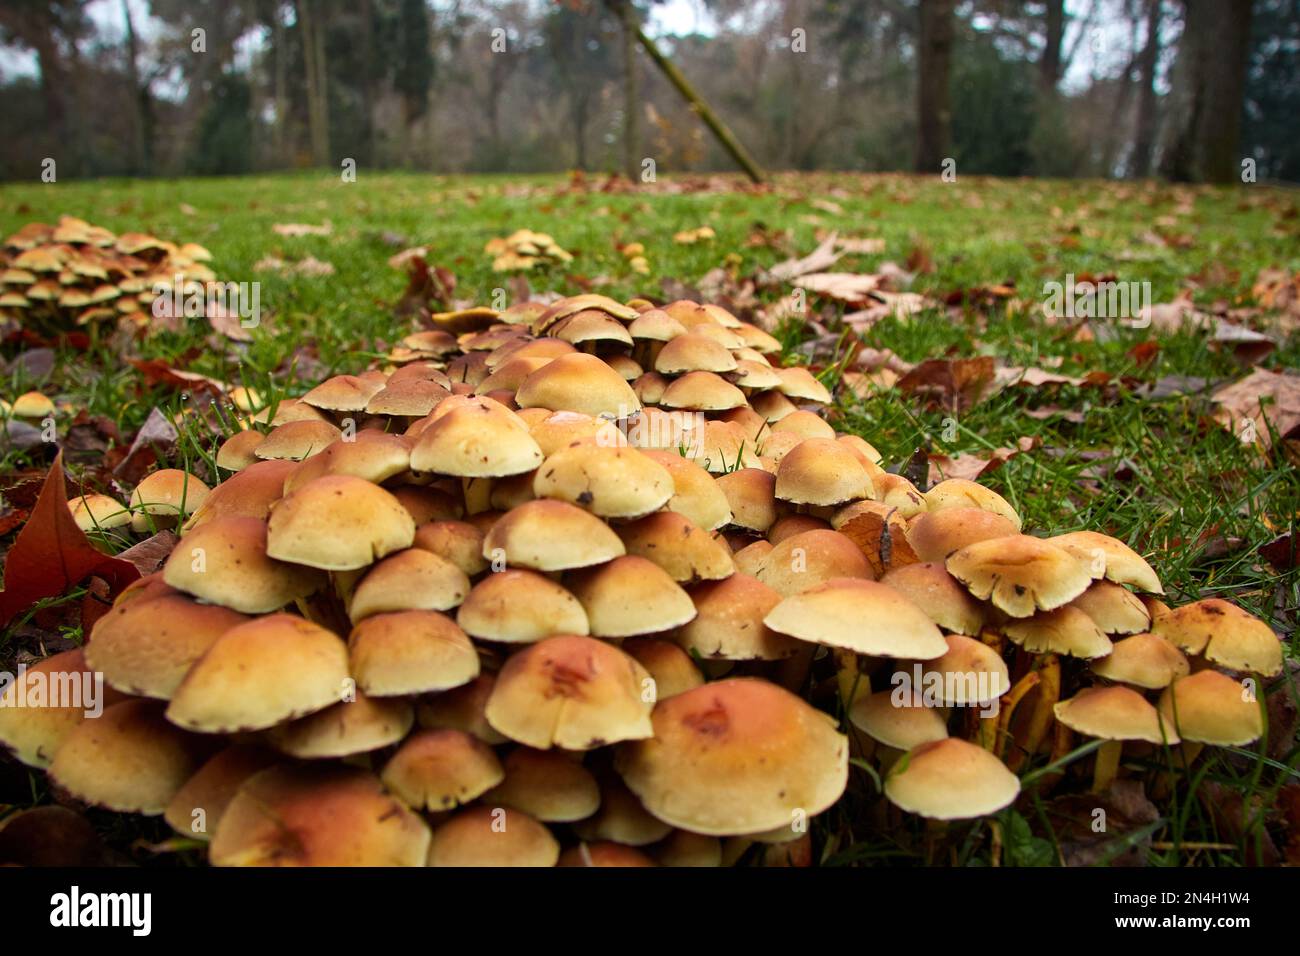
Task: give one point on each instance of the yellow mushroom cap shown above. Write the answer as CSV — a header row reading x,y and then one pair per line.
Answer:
x,y
373,455
859,615
338,523
550,535
628,596
669,666
458,541
897,718
239,450
548,785
951,779
196,809
1144,660
128,759
1019,574
168,492
696,494
1212,708
729,623
343,393
736,756
810,558
1116,609
969,673
937,534
493,836
461,708
798,383
298,439
98,513
963,493
414,579
621,819
677,545
1119,562
578,383
45,703
573,692
317,815
702,392
609,482
1066,630
248,494
262,673
1225,634
354,726
751,495
441,769
483,440
821,471
519,607
930,587
225,562
410,652
1115,713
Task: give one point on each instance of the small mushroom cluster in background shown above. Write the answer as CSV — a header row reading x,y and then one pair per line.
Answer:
x,y
589,583
524,249
61,277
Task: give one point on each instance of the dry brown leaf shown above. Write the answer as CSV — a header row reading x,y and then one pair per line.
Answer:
x,y
1262,399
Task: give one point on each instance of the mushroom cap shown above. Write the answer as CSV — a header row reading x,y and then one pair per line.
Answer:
x,y
425,503
414,579
1115,713
805,424
772,405
146,647
225,562
736,756
578,382
260,674
247,494
937,534
128,759
621,819
859,615
898,719
749,559
556,430
238,451
461,708
168,491
754,375
810,558
1019,573
1066,630
410,652
1144,660
458,541
930,587
373,455
33,732
757,339
349,727
98,512
550,535
483,440
441,769
676,544
963,493
729,622
604,854
343,393
317,815
821,471
548,785
693,352
798,383
212,787
970,673
896,492
297,440
1225,634
1121,563
520,607
338,523
493,836
609,482
1116,609
696,494
751,496
1212,708
655,325
701,392
572,692
591,325
669,666
407,397
628,596
951,779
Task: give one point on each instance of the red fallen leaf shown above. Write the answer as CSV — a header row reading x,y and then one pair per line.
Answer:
x,y
158,372
52,554
1144,353
1280,552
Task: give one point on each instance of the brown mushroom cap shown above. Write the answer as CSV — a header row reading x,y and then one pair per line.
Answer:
x,y
493,836
45,703
798,383
736,756
677,545
821,471
1116,609
128,759
695,492
146,647
296,440
729,622
937,534
951,779
1144,660
225,562
196,809
578,383
963,493
548,785
1121,563
410,652
348,727
810,558
262,673
702,392
935,591
248,494
168,492
338,523
482,440
898,719
409,580
1115,713
343,393
461,708
373,455
628,596
407,397
609,482
1019,573
970,673
441,769
317,815
556,430
238,451
550,535
458,541
1225,634
520,607
1066,630
1212,708
621,819
751,495
572,692
693,352
669,666
859,615
603,854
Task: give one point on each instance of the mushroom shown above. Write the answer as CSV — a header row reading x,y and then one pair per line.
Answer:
x,y
861,616
1113,714
441,770
951,779
338,523
492,836
630,595
414,579
1019,574
548,785
410,652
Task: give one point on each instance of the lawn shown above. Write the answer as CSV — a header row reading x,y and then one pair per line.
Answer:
x,y
1149,466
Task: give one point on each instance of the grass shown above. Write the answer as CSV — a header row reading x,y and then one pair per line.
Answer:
x,y
1156,473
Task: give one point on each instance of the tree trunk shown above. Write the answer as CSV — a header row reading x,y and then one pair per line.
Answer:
x,y
142,160
1049,65
314,70
631,94
934,111
281,89
1145,134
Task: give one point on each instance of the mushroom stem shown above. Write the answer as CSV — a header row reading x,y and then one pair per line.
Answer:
x,y
1106,765
1040,719
1016,694
793,671
852,682
478,495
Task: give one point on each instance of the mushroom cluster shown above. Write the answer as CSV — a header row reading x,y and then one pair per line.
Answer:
x,y
587,583
56,278
523,249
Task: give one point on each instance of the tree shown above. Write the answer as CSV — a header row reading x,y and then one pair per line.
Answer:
x,y
933,100
1145,133
413,70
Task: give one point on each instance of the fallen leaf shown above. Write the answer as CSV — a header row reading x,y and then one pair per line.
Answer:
x,y
954,384
1262,399
293,229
